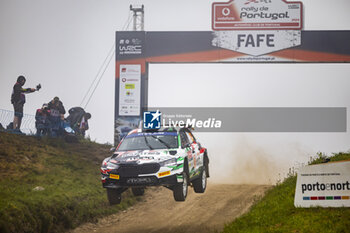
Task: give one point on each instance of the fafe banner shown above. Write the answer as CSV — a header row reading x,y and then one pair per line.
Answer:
x,y
244,31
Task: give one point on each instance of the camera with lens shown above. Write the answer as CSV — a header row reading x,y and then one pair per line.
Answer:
x,y
38,87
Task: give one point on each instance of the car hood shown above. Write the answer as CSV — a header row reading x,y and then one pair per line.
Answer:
x,y
143,156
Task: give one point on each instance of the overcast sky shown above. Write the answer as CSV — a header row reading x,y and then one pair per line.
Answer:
x,y
62,44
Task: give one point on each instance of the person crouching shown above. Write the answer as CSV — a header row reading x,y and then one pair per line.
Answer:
x,y
57,112
42,122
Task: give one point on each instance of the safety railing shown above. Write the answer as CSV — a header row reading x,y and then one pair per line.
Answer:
x,y
28,121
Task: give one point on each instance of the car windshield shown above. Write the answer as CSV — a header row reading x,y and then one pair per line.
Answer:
x,y
149,141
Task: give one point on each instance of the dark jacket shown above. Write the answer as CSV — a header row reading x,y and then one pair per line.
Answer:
x,y
42,116
18,96
56,108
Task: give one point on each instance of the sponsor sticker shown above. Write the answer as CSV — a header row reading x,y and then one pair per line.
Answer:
x,y
141,180
114,176
161,174
130,90
129,86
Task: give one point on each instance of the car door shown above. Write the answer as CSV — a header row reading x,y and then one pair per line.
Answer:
x,y
197,162
185,144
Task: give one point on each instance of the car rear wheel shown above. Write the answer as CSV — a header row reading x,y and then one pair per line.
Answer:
x,y
114,196
200,184
138,191
180,190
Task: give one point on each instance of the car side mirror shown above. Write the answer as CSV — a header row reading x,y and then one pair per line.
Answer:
x,y
184,146
113,149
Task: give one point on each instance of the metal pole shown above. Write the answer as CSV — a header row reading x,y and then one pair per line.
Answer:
x,y
138,17
135,21
142,19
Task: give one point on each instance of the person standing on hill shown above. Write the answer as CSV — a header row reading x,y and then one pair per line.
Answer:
x,y
84,125
18,100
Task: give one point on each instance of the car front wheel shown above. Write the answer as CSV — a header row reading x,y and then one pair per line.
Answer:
x,y
180,190
114,196
138,191
200,184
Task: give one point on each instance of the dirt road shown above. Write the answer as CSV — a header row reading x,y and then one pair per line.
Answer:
x,y
158,212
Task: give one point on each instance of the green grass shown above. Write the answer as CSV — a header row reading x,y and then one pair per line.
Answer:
x,y
275,212
70,176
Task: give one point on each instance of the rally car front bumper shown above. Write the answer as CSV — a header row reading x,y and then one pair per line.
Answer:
x,y
139,181
138,175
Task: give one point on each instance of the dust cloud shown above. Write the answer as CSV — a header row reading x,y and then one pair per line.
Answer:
x,y
245,164
243,161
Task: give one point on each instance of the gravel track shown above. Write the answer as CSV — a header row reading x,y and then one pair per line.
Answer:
x,y
158,212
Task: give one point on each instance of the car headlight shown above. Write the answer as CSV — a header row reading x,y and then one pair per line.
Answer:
x,y
167,162
105,163
112,166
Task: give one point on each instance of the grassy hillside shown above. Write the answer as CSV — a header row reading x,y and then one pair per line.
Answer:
x,y
69,174
276,211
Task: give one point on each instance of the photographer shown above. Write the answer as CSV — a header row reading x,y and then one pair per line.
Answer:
x,y
18,100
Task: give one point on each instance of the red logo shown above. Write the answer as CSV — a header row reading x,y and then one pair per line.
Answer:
x,y
123,70
225,12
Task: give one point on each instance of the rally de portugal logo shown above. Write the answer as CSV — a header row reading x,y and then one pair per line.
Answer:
x,y
151,120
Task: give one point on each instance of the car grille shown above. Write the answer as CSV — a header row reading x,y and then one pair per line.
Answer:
x,y
131,170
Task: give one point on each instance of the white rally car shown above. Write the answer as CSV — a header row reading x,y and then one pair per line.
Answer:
x,y
168,157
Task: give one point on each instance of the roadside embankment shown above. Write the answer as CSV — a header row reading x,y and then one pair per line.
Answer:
x,y
275,212
49,185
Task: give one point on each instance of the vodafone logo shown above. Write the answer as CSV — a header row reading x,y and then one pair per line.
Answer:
x,y
225,11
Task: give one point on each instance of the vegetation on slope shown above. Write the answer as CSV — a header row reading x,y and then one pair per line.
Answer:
x,y
69,175
275,212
